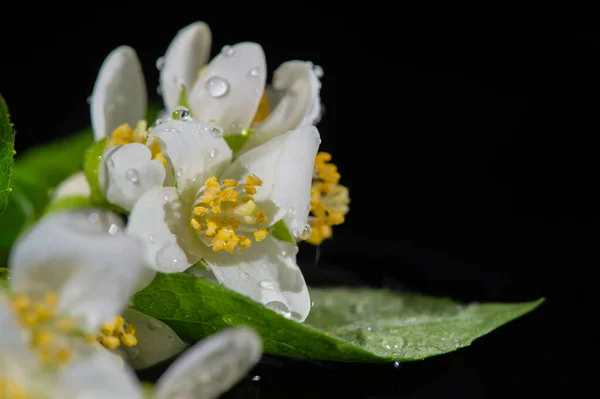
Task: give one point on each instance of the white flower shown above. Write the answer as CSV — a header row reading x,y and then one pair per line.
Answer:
x,y
221,211
229,91
70,273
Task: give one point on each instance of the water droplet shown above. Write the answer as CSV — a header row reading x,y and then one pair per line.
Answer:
x,y
88,99
283,253
213,153
93,217
369,328
255,72
170,258
256,378
158,121
166,198
113,229
318,70
306,232
312,303
160,63
396,365
244,276
228,51
292,212
267,284
132,175
216,131
217,87
279,307
159,90
181,113
388,347
151,239
395,346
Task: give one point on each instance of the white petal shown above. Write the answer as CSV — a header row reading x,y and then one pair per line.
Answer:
x,y
74,185
267,273
285,165
82,256
99,376
212,366
119,94
127,172
161,221
157,342
194,150
186,54
14,352
299,103
229,91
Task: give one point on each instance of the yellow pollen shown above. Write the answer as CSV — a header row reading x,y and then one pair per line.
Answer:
x,y
329,200
117,331
224,208
50,334
261,234
10,389
124,134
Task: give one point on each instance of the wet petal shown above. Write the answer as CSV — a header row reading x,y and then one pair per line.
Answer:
x,y
229,91
285,165
119,94
127,172
161,221
299,102
267,273
212,366
85,258
194,150
187,53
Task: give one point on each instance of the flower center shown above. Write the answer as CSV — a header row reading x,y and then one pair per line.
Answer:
x,y
49,333
124,134
52,336
9,389
115,332
329,200
225,214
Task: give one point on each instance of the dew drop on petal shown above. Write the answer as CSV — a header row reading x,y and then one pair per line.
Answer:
x,y
213,153
132,175
150,239
279,307
305,233
292,212
255,72
217,86
113,229
256,378
228,51
318,70
169,258
283,253
216,131
158,121
181,113
244,276
160,63
159,90
267,284
396,365
93,217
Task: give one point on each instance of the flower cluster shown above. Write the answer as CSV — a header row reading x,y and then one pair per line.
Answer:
x,y
223,185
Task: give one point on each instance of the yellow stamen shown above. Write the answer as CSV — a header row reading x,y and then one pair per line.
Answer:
x,y
117,331
124,134
329,200
223,207
11,389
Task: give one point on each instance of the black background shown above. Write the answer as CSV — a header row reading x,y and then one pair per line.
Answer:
x,y
467,148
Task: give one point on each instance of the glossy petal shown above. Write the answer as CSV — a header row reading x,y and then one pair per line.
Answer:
x,y
127,172
229,90
212,366
82,256
267,273
119,94
161,221
187,53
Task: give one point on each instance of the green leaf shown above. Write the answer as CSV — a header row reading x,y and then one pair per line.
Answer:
x,y
353,325
7,152
237,141
280,231
3,277
68,202
91,164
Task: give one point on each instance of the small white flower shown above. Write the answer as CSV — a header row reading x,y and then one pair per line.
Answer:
x,y
229,91
70,273
222,211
